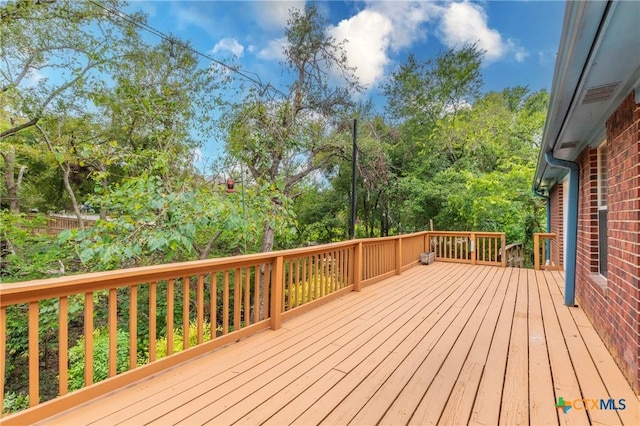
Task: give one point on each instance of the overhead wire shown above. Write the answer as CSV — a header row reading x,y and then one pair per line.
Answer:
x,y
176,42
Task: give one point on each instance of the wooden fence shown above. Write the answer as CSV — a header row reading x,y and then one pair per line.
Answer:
x,y
56,224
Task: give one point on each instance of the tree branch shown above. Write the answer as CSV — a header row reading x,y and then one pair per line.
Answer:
x,y
33,121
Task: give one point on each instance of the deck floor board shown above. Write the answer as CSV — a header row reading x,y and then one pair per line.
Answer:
x,y
441,344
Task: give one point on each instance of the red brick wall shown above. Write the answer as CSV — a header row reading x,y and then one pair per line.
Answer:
x,y
556,198
613,305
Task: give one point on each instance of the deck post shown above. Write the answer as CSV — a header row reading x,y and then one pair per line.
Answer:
x,y
536,252
3,338
276,295
503,242
399,255
473,248
357,267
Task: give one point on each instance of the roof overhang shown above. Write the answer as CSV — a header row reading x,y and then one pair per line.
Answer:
x,y
597,66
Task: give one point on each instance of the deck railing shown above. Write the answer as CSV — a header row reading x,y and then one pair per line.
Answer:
x,y
544,258
476,248
216,301
514,254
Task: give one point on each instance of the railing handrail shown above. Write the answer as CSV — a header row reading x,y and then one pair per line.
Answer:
x,y
24,292
513,245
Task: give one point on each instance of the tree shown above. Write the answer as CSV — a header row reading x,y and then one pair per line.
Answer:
x,y
45,39
283,141
52,52
426,99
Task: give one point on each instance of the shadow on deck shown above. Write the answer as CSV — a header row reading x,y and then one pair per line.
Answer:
x,y
445,343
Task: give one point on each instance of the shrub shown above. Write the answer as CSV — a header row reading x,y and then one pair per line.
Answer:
x,y
100,357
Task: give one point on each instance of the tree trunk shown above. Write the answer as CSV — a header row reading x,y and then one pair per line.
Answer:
x,y
66,171
13,186
105,188
268,238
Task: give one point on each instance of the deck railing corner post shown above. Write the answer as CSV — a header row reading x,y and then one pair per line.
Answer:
x,y
399,255
503,253
277,293
473,248
536,252
357,267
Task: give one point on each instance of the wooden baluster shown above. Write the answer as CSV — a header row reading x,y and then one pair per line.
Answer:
x,y
236,299
247,291
152,320
185,312
113,332
213,305
34,354
327,277
288,306
200,309
170,296
344,269
268,294
133,327
316,287
225,303
63,346
88,339
305,281
256,293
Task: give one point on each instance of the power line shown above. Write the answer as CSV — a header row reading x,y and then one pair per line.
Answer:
x,y
146,27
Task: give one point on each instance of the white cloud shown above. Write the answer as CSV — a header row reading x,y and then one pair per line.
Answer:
x,y
274,14
467,23
407,18
380,28
368,36
229,45
274,49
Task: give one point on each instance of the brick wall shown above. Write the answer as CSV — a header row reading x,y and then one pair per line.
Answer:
x,y
556,198
613,304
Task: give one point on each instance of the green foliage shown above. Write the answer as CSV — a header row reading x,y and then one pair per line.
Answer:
x,y
151,223
100,357
308,291
14,402
25,252
161,344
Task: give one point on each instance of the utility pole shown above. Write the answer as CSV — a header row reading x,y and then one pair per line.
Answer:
x,y
354,198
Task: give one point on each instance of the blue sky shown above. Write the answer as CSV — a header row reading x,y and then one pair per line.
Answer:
x,y
520,37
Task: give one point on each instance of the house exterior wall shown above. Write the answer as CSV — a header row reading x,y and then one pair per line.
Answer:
x,y
613,303
556,198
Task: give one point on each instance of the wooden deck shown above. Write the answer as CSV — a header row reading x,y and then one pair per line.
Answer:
x,y
444,343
